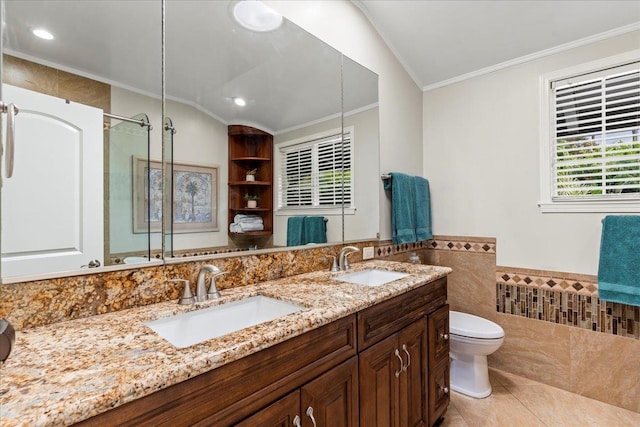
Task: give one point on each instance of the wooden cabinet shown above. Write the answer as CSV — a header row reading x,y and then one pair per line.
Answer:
x,y
402,362
438,323
250,149
393,379
329,400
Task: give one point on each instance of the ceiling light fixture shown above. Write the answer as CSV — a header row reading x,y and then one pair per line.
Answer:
x,y
239,102
256,16
43,34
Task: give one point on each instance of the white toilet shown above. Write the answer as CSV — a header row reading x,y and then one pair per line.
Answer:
x,y
472,340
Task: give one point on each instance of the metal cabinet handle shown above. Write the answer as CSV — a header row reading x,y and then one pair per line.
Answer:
x,y
444,336
397,353
445,390
11,110
310,415
404,348
296,421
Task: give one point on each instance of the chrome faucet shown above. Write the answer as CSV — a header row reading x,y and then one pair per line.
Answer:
x,y
201,288
343,262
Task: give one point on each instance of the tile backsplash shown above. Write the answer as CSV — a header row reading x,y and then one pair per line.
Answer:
x,y
565,299
43,302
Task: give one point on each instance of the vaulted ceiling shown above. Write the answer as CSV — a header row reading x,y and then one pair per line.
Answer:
x,y
442,41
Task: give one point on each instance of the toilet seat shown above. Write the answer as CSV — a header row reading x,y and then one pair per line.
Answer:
x,y
468,325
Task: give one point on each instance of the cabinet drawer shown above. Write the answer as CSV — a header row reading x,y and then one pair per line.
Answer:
x,y
378,322
439,390
439,336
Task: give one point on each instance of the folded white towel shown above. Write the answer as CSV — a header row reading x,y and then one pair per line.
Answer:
x,y
245,226
241,218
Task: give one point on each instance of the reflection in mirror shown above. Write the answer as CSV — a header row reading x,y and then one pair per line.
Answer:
x,y
79,195
231,91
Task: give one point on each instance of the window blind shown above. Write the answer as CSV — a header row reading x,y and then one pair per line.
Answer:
x,y
596,135
316,173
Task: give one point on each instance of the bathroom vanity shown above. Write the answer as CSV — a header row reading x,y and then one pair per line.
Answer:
x,y
354,355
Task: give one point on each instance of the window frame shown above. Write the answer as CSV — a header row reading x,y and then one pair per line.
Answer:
x,y
604,204
291,210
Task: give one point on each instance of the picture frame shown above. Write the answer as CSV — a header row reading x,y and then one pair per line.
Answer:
x,y
195,197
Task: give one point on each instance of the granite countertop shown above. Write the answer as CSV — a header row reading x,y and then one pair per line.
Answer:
x,y
66,372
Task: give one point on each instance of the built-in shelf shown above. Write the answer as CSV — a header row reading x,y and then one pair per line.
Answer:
x,y
249,149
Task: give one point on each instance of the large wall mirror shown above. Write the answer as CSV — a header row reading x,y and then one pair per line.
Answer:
x,y
284,82
87,79
105,60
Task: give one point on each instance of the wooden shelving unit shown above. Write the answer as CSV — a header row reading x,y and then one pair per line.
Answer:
x,y
250,148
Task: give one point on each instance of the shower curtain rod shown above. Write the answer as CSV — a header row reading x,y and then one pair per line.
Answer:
x,y
127,119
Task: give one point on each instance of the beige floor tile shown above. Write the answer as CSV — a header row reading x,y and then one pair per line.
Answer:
x,y
452,418
499,409
506,379
560,408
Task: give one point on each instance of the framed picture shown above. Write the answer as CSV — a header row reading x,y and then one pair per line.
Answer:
x,y
195,197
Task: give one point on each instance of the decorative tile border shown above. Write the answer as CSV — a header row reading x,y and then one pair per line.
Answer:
x,y
560,299
466,244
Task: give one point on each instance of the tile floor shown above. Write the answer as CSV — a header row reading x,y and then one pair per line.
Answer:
x,y
520,402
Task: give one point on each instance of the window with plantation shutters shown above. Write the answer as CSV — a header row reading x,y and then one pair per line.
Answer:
x,y
316,173
594,133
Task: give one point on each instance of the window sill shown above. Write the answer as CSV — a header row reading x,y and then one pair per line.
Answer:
x,y
315,211
611,206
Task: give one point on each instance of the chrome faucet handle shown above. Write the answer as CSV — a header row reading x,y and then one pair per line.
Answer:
x,y
187,297
334,265
201,288
213,292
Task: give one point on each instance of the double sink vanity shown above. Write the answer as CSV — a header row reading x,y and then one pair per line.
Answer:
x,y
367,347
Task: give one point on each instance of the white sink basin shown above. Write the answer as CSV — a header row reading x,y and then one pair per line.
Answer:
x,y
184,330
371,277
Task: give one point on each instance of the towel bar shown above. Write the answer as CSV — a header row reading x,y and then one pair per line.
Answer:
x,y
385,176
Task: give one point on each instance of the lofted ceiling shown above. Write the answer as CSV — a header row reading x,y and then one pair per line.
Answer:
x,y
439,42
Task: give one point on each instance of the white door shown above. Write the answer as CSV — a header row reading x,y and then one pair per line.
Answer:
x,y
52,207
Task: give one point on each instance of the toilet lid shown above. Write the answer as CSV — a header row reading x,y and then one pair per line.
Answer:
x,y
471,326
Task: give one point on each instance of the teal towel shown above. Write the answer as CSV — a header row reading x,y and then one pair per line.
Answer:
x,y
423,209
619,266
295,229
314,230
403,208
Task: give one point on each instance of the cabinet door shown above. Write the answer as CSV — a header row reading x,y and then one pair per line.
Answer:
x,y
439,336
412,342
380,371
332,397
279,414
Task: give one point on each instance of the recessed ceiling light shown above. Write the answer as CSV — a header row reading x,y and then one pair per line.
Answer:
x,y
43,34
256,16
239,102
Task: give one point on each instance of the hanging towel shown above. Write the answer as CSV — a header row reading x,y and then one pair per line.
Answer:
x,y
423,209
314,230
295,231
403,208
619,266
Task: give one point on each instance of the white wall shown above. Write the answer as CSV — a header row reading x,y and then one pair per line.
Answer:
x,y
343,26
481,155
